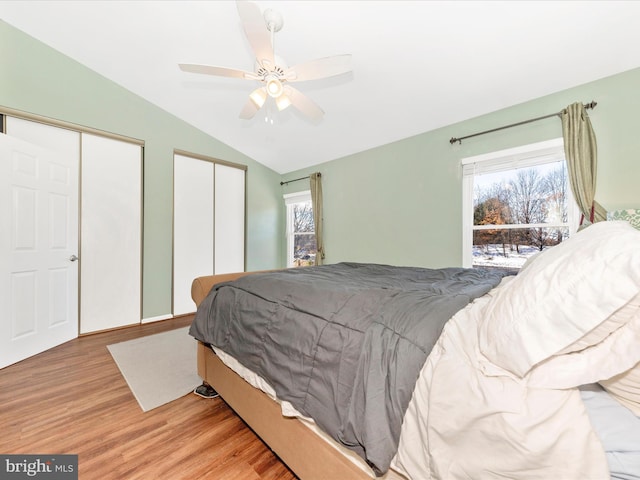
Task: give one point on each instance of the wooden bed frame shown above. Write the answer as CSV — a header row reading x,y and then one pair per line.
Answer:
x,y
308,455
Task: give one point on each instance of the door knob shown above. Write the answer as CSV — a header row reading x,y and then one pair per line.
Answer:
x,y
73,258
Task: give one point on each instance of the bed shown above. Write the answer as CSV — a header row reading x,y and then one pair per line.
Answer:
x,y
496,392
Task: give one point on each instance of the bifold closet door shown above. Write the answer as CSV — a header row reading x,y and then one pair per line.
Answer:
x,y
229,219
111,234
193,218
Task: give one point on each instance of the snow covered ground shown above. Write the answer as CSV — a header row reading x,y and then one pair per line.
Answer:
x,y
493,256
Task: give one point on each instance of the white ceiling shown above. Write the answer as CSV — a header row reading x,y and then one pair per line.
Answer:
x,y
417,65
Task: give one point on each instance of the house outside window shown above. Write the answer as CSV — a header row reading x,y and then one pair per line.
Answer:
x,y
301,238
516,203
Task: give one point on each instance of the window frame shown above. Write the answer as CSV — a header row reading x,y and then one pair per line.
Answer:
x,y
524,156
291,199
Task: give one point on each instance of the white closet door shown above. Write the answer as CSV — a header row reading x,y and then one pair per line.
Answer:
x,y
38,239
229,219
192,227
111,233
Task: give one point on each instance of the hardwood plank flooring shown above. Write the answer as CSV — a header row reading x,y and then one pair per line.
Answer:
x,y
72,399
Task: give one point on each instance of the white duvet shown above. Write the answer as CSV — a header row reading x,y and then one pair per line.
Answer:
x,y
498,397
464,424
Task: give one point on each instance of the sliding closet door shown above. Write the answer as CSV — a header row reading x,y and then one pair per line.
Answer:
x,y
208,224
229,219
111,234
193,219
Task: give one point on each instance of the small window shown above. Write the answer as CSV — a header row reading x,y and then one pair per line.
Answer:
x,y
301,238
516,203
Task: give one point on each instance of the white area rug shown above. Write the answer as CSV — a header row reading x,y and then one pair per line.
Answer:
x,y
158,368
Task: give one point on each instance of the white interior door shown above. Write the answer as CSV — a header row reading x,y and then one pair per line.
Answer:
x,y
193,218
111,233
229,219
38,243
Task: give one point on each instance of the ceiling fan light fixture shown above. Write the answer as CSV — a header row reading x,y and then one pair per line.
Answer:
x,y
258,96
282,102
274,87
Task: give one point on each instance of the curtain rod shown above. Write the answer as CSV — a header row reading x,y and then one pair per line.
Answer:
x,y
297,179
459,140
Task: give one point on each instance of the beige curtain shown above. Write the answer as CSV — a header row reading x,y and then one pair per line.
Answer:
x,y
316,203
581,153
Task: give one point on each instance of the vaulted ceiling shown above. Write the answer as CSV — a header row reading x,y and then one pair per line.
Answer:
x,y
417,65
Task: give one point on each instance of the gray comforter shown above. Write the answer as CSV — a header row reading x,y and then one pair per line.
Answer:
x,y
343,343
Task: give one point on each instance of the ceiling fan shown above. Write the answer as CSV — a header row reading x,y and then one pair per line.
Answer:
x,y
275,77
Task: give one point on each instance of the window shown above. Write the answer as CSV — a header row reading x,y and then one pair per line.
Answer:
x,y
301,238
516,203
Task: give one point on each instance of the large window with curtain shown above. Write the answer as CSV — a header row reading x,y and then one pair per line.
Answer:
x,y
301,239
516,203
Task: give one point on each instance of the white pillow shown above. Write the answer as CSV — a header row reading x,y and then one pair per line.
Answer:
x,y
615,354
564,294
626,388
620,317
531,259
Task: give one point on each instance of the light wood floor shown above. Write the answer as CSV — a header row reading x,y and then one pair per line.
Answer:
x,y
72,399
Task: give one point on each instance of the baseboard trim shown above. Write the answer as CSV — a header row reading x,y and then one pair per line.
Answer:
x,y
157,318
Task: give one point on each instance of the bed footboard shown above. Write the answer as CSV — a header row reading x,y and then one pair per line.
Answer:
x,y
306,454
309,456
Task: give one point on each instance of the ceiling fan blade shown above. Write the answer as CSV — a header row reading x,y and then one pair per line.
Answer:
x,y
304,104
257,33
320,68
218,71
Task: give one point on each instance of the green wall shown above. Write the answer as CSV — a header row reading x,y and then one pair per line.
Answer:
x,y
37,79
402,203
399,203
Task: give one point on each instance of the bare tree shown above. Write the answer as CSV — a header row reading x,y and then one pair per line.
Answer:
x,y
528,205
556,184
303,217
